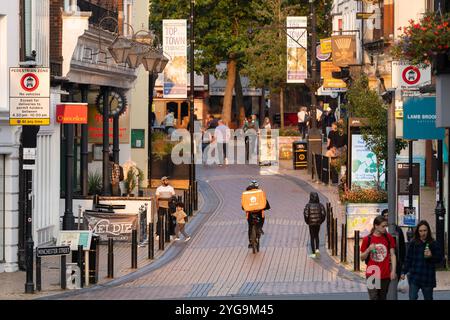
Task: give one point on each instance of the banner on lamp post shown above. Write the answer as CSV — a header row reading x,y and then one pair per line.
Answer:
x,y
297,43
175,46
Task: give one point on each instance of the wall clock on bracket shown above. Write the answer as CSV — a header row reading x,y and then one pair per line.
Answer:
x,y
117,103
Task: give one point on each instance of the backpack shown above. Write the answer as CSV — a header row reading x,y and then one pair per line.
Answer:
x,y
368,244
253,200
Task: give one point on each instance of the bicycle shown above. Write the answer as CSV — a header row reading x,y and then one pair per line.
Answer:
x,y
255,234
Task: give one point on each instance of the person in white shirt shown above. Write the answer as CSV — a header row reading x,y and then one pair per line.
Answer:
x,y
169,122
222,136
163,194
302,116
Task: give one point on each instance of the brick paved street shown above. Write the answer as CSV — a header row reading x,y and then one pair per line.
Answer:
x,y
217,262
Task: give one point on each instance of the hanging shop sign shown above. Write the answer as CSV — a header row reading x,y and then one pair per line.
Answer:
x,y
330,83
320,55
75,113
29,96
419,119
325,45
344,50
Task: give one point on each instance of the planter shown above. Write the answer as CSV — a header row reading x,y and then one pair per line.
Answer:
x,y
360,216
285,151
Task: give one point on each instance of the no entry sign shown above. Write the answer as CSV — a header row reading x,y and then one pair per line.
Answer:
x,y
408,77
29,96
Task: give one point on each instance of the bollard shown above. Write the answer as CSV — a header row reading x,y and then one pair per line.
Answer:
x,y
167,226
38,273
63,272
80,264
151,241
195,195
161,232
110,258
336,236
342,242
345,242
134,249
356,252
185,197
328,229
186,204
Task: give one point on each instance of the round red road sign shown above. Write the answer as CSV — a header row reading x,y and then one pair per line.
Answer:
x,y
411,75
29,82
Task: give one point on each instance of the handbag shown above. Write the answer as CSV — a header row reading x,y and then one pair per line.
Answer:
x,y
403,285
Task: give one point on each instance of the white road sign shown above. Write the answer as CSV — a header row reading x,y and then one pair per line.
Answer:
x,y
29,96
408,77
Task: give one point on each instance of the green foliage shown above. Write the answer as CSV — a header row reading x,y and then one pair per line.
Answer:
x,y
94,183
288,132
134,178
364,102
359,195
161,145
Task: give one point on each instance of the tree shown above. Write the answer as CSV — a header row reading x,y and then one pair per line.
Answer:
x,y
220,34
364,102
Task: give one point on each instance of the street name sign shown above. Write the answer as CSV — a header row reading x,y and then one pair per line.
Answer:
x,y
52,251
366,15
29,96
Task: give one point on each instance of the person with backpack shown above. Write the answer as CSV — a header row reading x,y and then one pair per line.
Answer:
x,y
378,251
315,215
420,264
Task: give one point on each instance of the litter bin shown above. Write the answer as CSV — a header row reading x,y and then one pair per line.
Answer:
x,y
300,155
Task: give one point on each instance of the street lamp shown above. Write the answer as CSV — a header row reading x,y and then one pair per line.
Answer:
x,y
120,49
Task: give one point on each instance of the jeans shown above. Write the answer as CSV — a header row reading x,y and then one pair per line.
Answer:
x,y
314,232
222,149
380,294
414,292
180,228
302,129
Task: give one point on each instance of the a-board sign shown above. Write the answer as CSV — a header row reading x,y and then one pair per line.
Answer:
x,y
52,251
73,238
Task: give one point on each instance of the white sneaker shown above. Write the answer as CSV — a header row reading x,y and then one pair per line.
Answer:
x,y
313,256
187,239
176,239
317,253
157,238
226,160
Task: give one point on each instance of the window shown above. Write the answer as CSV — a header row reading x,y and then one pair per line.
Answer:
x,y
2,208
340,25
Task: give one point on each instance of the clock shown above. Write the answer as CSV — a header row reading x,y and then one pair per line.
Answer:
x,y
117,103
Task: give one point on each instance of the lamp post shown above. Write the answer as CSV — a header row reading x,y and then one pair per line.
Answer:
x,y
191,101
314,135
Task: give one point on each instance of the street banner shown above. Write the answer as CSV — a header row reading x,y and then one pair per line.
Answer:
x,y
364,171
325,45
407,77
175,47
297,44
419,119
29,96
330,83
111,225
344,50
413,216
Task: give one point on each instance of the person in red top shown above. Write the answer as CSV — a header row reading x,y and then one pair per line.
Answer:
x,y
378,250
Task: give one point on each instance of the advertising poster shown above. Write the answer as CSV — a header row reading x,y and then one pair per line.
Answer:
x,y
408,220
175,48
330,83
360,217
297,43
364,165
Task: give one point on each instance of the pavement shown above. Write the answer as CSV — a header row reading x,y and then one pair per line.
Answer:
x,y
216,263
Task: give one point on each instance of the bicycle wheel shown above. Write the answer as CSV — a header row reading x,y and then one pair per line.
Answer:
x,y
253,238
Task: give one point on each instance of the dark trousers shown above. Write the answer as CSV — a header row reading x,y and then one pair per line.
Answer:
x,y
314,233
162,212
222,149
380,294
260,225
414,292
302,129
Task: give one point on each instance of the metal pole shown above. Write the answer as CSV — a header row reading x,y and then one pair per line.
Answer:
x,y
116,149
110,258
440,208
192,93
391,174
151,241
342,242
80,264
63,272
134,249
151,84
409,233
38,273
161,232
84,147
356,252
69,219
167,225
105,164
335,236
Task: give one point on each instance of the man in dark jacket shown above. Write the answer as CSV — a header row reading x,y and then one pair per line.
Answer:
x,y
314,216
260,214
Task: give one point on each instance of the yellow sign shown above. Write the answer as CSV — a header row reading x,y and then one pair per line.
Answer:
x,y
29,122
325,45
326,69
344,50
399,114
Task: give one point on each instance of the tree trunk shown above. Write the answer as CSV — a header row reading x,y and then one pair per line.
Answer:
x,y
282,107
228,98
239,99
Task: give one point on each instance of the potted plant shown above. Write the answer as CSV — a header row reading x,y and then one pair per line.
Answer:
x,y
426,42
94,183
133,179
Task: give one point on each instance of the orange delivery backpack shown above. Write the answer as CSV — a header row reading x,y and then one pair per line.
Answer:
x,y
253,200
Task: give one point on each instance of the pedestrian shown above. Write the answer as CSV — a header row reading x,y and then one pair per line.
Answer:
x,y
181,216
163,195
378,251
302,121
420,264
169,122
266,124
222,136
314,214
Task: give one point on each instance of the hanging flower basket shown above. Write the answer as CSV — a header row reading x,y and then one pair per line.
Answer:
x,y
425,42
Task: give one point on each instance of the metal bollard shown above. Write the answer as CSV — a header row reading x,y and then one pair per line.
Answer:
x,y
167,226
342,242
80,264
331,244
336,241
134,249
185,197
328,229
161,232
63,272
110,258
151,241
38,273
186,204
356,252
195,195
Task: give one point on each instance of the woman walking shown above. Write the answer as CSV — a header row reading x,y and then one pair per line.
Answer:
x,y
420,264
314,216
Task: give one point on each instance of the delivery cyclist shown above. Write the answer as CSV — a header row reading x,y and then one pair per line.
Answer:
x,y
258,213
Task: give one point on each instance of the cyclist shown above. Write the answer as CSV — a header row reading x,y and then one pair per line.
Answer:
x,y
255,216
